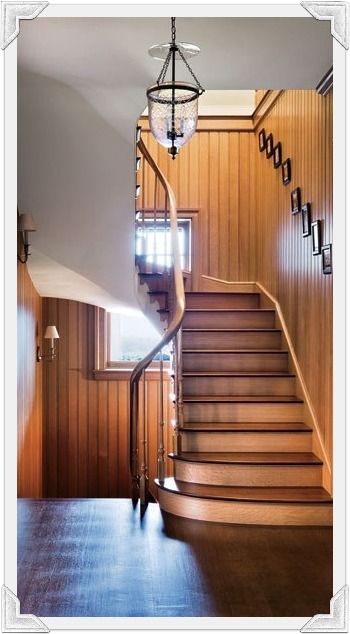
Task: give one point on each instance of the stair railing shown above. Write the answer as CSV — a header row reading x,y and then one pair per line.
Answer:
x,y
138,396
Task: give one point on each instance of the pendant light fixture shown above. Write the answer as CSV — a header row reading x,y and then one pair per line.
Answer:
x,y
173,105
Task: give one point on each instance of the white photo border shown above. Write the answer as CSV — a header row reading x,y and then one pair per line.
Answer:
x,y
8,384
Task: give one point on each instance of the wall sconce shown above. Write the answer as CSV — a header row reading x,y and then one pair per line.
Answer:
x,y
25,223
51,334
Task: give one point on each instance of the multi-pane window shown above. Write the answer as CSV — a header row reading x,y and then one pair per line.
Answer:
x,y
153,241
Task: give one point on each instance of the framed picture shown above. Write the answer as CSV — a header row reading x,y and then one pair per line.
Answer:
x,y
262,140
316,237
269,146
286,172
277,155
295,199
306,219
327,268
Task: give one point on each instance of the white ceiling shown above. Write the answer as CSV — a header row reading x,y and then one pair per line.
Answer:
x,y
81,88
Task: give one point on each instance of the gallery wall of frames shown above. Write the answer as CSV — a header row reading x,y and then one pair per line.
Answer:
x,y
294,233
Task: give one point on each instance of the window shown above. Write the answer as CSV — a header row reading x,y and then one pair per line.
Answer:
x,y
153,241
130,338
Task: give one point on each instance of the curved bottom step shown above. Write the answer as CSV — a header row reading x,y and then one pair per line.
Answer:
x,y
285,506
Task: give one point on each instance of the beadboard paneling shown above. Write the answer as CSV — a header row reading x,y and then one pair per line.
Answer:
x,y
214,173
86,422
285,266
29,387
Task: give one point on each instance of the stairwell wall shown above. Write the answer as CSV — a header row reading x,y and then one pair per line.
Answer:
x,y
29,387
302,121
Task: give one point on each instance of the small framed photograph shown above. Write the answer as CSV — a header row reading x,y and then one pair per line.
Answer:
x,y
277,155
306,219
286,172
295,199
316,237
262,140
269,146
327,267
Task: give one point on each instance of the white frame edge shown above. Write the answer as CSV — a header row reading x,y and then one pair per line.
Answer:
x,y
338,618
337,13
12,619
12,13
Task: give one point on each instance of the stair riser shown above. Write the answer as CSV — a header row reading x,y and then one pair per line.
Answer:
x,y
243,412
209,319
246,441
159,283
229,340
222,300
238,386
161,299
245,513
248,474
235,362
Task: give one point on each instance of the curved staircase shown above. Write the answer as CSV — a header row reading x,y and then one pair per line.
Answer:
x,y
245,452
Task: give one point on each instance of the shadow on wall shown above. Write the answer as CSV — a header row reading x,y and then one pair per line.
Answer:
x,y
76,175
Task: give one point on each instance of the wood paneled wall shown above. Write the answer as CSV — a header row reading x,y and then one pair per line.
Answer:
x,y
285,266
86,436
29,387
214,173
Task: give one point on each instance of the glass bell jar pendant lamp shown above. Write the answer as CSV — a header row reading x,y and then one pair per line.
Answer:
x,y
173,105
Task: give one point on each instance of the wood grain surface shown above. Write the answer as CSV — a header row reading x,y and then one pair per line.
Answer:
x,y
95,558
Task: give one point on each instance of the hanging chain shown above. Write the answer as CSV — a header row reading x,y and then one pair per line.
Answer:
x,y
164,70
201,89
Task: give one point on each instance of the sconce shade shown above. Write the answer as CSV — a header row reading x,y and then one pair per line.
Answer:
x,y
51,333
26,223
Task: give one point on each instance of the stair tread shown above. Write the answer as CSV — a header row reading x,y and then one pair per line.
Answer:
x,y
235,350
231,330
226,294
157,292
249,494
240,373
242,399
242,427
250,457
230,310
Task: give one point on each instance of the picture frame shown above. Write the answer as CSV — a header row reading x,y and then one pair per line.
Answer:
x,y
327,265
306,219
277,155
295,199
269,145
286,172
262,140
316,237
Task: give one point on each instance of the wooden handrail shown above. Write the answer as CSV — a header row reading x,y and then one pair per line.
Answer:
x,y
172,330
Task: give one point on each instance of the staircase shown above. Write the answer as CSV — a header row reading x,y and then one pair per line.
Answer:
x,y
246,452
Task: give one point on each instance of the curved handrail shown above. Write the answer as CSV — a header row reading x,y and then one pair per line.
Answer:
x,y
178,312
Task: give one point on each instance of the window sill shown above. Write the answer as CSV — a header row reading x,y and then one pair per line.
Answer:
x,y
124,374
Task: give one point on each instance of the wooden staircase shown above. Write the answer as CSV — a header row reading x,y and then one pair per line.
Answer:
x,y
246,452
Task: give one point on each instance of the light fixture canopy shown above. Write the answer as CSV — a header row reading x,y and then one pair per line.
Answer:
x,y
173,105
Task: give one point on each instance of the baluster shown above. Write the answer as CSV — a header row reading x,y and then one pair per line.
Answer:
x,y
134,450
165,231
161,462
144,461
155,224
178,395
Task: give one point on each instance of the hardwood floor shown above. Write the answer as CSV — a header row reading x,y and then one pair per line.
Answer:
x,y
93,557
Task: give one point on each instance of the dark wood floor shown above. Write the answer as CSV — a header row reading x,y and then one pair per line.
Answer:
x,y
95,558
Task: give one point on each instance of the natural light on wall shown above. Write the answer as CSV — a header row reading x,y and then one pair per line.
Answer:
x,y
131,338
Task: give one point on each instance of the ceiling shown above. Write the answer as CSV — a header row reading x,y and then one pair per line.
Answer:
x,y
81,88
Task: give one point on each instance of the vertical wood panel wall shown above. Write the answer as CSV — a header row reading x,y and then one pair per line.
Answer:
x,y
29,387
285,266
214,173
86,440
